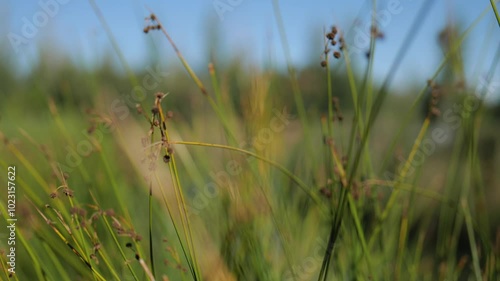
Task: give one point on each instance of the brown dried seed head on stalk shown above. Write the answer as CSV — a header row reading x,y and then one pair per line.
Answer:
x,y
166,158
435,111
68,192
326,192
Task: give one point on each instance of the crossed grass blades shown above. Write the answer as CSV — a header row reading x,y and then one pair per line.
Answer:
x,y
319,213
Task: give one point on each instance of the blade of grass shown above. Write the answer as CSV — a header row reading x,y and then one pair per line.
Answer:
x,y
298,181
472,239
195,78
495,10
406,120
27,246
114,44
297,94
423,12
151,244
179,194
61,236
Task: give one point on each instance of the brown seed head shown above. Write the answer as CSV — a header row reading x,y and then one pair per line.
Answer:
x,y
373,30
68,192
326,192
166,158
435,111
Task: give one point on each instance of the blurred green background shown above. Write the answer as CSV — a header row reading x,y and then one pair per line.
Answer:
x,y
422,202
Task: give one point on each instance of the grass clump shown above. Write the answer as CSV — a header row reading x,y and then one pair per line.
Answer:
x,y
246,182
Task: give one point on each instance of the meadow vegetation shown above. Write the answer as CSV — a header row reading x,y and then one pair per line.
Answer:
x,y
235,172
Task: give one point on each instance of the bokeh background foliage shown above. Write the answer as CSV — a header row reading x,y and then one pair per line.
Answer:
x,y
253,172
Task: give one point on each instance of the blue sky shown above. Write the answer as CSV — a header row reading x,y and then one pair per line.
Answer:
x,y
247,28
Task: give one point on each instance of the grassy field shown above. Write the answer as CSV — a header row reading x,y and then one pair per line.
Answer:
x,y
238,173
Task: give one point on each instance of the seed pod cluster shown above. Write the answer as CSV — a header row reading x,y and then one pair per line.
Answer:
x,y
336,40
433,102
151,24
376,33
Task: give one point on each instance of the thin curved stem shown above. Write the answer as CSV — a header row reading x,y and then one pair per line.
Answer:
x,y
280,167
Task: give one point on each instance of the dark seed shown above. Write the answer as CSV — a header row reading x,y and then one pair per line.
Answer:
x,y
166,158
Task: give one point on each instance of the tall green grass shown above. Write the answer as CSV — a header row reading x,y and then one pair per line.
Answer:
x,y
232,178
